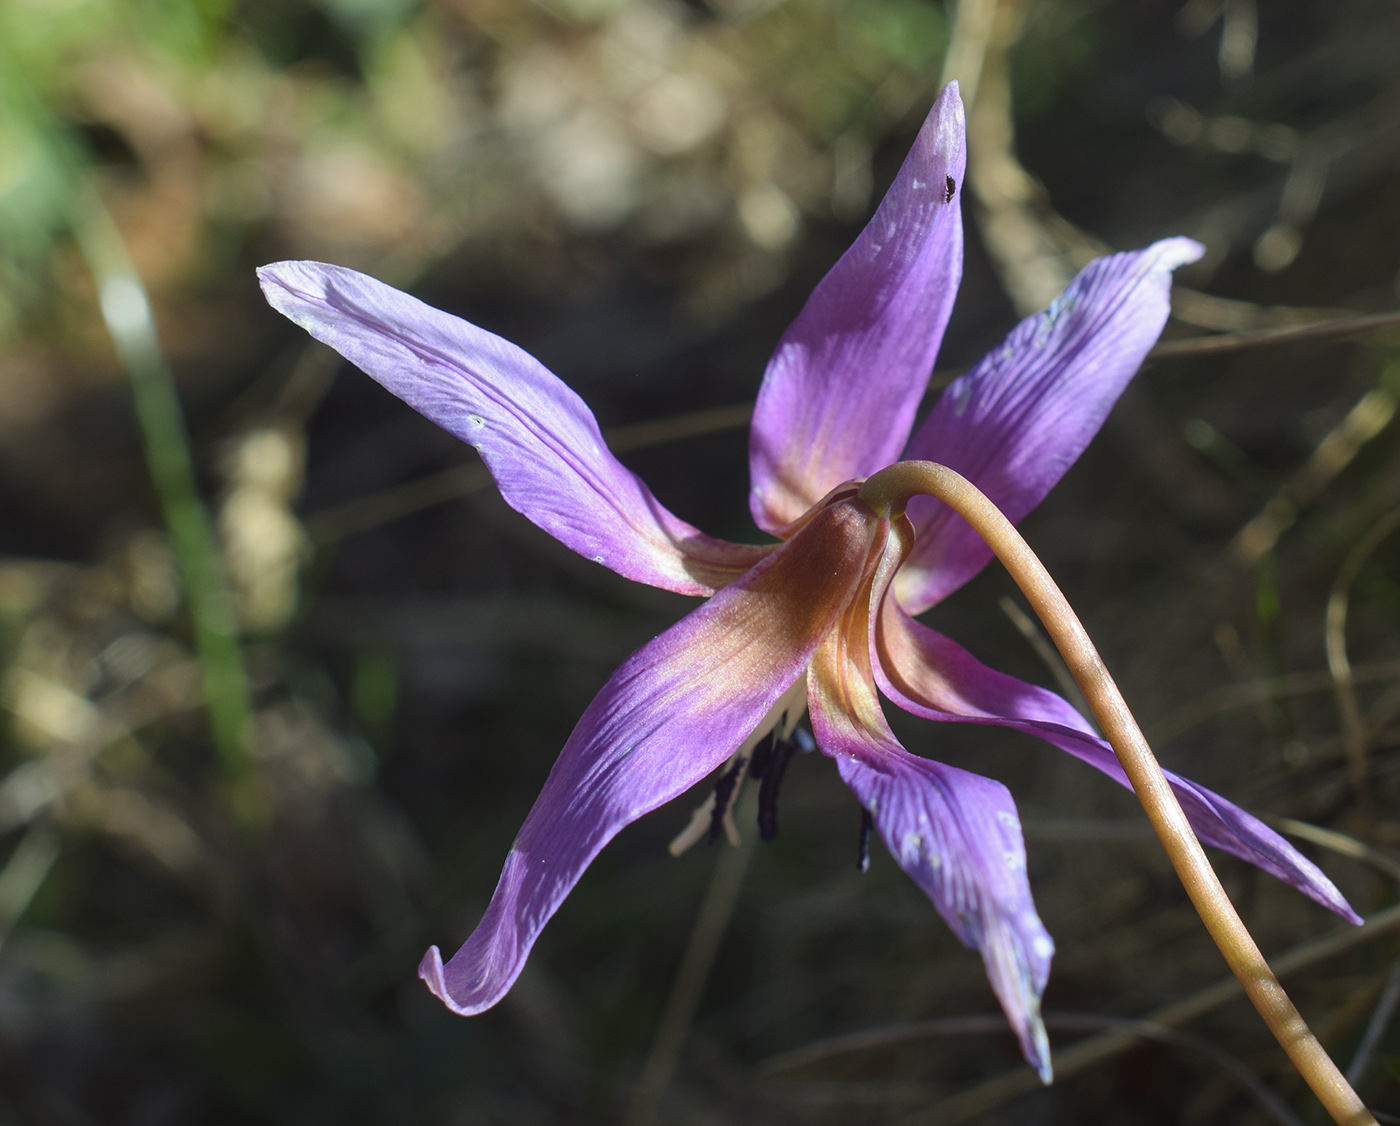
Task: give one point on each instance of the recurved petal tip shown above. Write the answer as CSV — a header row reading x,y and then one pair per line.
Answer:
x,y
1016,951
1170,253
1035,1045
1040,1057
430,970
434,975
286,284
956,834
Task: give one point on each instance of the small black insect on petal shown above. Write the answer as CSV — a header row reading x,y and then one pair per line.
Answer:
x,y
866,824
771,779
724,791
949,187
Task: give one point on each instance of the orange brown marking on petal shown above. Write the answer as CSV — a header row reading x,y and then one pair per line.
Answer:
x,y
717,563
800,590
903,662
841,671
843,492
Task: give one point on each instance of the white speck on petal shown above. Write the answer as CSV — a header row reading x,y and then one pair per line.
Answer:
x,y
1059,309
476,420
913,843
962,395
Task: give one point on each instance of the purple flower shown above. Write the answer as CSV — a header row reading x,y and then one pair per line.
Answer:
x,y
822,617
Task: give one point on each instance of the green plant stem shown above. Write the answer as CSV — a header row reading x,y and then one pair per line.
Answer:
x,y
888,492
126,311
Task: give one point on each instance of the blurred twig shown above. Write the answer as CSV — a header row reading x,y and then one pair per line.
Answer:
x,y
1267,688
1340,843
1048,655
386,505
694,971
1273,1107
1375,1027
126,311
1355,731
984,1097
967,46
691,425
1229,314
24,873
381,507
1023,234
1336,328
1366,419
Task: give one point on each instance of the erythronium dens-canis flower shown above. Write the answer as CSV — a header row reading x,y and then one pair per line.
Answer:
x,y
824,617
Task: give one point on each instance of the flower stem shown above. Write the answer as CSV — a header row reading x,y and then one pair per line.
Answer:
x,y
887,492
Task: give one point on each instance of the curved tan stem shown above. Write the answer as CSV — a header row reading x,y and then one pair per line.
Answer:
x,y
887,492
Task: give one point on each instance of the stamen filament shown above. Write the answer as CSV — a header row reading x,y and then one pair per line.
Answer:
x,y
887,492
724,794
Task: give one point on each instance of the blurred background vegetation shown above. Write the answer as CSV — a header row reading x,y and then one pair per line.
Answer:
x,y
221,922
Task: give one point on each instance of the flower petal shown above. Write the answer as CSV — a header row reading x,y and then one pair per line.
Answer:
x,y
537,438
932,676
839,395
955,833
674,711
1023,415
